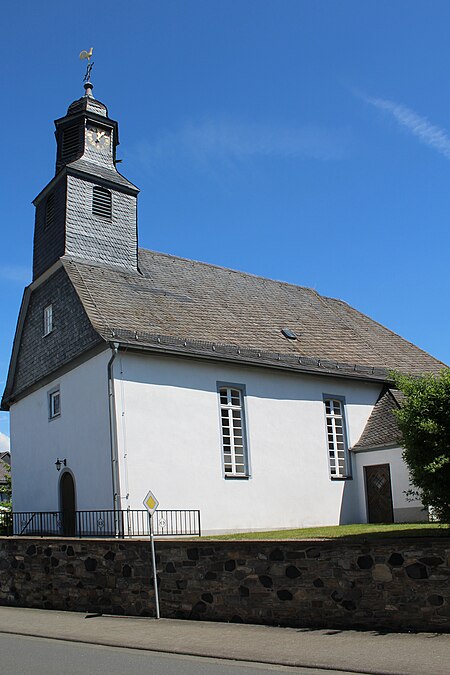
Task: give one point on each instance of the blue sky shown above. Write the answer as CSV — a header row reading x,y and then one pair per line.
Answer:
x,y
307,141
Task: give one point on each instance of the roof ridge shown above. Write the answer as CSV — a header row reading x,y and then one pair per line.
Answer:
x,y
230,269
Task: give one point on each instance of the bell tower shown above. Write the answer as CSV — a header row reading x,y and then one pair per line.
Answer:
x,y
86,128
88,211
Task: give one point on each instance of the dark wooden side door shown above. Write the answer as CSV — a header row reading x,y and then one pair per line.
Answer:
x,y
67,497
379,494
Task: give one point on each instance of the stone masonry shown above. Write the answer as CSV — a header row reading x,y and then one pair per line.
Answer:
x,y
390,584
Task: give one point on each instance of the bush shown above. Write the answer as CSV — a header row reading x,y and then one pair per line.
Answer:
x,y
424,422
5,521
7,490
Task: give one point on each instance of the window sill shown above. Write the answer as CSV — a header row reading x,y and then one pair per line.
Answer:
x,y
339,478
232,477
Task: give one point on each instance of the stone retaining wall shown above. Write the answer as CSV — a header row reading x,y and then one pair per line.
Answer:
x,y
394,584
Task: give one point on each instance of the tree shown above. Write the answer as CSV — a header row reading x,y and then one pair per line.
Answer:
x,y
6,507
424,422
7,489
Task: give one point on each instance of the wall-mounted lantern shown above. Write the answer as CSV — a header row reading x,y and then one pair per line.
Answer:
x,y
59,463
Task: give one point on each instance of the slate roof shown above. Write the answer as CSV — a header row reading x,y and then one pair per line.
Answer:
x,y
382,428
192,307
87,103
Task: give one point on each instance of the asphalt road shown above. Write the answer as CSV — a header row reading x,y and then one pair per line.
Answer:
x,y
87,643
24,655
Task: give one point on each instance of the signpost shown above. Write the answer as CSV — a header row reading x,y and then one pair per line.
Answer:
x,y
151,504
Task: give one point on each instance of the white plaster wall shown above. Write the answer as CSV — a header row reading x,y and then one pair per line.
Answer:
x,y
404,508
169,442
80,435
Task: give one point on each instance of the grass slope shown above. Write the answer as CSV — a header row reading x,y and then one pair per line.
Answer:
x,y
360,531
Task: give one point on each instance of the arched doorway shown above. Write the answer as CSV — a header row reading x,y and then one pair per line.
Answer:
x,y
67,502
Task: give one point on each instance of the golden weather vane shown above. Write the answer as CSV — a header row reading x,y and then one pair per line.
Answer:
x,y
87,55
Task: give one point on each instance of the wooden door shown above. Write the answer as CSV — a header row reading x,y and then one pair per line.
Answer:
x,y
67,500
379,494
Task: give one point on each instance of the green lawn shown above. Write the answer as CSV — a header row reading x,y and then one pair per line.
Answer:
x,y
348,531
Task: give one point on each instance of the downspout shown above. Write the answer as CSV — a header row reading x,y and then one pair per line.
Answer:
x,y
113,427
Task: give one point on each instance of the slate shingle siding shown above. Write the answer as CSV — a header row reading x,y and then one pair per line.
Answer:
x,y
49,242
72,335
98,239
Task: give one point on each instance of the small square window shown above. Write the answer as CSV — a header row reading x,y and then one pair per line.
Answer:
x,y
54,404
48,320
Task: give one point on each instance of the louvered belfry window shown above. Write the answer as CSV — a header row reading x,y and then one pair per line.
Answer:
x,y
70,143
49,211
102,203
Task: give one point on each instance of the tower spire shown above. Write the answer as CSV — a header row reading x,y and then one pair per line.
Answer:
x,y
88,210
88,86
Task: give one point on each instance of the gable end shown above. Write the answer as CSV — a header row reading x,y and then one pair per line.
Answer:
x,y
36,356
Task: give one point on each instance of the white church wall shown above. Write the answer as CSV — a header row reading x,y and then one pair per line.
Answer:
x,y
405,509
170,442
80,435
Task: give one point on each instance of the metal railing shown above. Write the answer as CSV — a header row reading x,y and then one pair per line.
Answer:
x,y
101,523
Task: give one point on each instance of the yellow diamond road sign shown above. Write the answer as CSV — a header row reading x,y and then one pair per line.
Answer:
x,y
151,503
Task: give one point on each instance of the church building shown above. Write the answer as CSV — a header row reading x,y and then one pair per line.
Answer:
x,y
262,404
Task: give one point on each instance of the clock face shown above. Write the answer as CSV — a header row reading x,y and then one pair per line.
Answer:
x,y
99,139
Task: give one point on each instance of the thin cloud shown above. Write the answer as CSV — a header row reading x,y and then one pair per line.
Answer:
x,y
420,127
236,143
18,273
4,443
